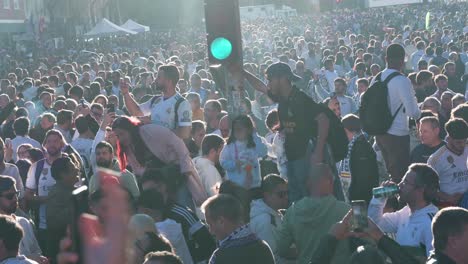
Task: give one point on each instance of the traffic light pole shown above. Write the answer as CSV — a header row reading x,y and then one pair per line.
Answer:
x,y
224,43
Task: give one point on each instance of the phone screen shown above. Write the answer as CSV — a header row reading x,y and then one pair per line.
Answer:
x,y
359,215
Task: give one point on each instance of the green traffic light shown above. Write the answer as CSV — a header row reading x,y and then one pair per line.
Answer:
x,y
221,48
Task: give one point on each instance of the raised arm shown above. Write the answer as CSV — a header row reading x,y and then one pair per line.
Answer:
x,y
132,106
255,82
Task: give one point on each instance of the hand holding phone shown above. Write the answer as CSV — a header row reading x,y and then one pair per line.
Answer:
x,y
359,220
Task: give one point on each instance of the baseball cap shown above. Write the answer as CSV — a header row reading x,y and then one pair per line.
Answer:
x,y
281,69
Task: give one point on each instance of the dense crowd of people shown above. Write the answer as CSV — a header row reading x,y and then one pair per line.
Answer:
x,y
132,155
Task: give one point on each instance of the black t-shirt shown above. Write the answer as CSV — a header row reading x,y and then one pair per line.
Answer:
x,y
297,118
421,152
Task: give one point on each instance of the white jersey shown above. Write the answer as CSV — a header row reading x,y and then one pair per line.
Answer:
x,y
162,112
173,232
452,170
43,187
411,229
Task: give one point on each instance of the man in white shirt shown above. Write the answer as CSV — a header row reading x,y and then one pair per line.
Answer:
x,y
163,110
21,128
84,143
417,55
196,87
347,104
395,144
212,145
39,182
412,224
450,161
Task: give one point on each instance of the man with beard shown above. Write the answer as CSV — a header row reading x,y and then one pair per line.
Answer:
x,y
302,120
8,205
412,224
105,159
39,182
114,89
169,109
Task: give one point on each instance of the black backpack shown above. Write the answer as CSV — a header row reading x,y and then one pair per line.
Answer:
x,y
374,111
337,139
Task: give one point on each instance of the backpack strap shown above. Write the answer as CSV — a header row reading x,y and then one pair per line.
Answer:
x,y
176,109
39,168
387,80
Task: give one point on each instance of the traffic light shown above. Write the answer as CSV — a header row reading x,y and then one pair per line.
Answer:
x,y
223,31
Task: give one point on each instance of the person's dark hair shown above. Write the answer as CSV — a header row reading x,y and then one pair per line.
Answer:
x,y
23,168
423,76
224,205
270,182
51,133
163,257
340,80
64,116
170,72
448,222
6,182
352,123
81,124
105,144
132,126
153,200
457,128
239,192
197,125
61,166
77,91
461,111
245,121
11,233
439,77
35,154
155,243
215,103
73,76
395,53
427,178
422,63
54,79
21,126
211,142
360,66
364,81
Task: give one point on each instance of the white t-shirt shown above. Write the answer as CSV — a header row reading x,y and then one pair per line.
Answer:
x,y
28,245
12,170
347,105
43,187
162,112
83,146
452,170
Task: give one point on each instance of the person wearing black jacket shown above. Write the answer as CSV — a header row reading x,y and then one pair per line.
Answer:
x,y
342,230
358,171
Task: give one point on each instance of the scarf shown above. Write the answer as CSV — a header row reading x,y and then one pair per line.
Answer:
x,y
345,167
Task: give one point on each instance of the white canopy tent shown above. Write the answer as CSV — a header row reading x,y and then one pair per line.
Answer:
x,y
107,28
134,26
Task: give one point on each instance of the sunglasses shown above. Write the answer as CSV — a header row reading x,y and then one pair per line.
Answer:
x,y
10,196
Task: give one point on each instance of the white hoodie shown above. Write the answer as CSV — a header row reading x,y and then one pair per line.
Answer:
x,y
412,229
264,222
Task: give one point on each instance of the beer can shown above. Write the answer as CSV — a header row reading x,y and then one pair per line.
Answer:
x,y
386,191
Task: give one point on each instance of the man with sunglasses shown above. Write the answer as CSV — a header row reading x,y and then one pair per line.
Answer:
x,y
8,205
412,224
265,215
